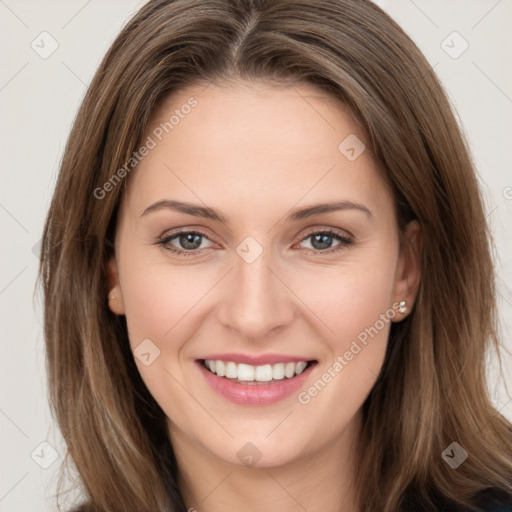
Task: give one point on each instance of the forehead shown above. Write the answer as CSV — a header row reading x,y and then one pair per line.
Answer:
x,y
255,144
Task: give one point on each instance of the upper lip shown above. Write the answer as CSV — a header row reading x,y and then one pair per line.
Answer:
x,y
254,360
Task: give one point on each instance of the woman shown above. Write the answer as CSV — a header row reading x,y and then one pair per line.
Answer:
x,y
274,290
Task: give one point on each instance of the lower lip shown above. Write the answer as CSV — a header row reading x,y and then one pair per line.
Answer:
x,y
255,394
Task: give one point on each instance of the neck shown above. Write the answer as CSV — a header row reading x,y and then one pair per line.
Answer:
x,y
315,482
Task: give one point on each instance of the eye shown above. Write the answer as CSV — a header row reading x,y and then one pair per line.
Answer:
x,y
184,243
322,241
188,243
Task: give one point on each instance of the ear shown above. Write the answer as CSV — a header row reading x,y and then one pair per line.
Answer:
x,y
115,295
408,270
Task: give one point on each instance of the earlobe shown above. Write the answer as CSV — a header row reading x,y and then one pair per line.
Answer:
x,y
408,272
115,295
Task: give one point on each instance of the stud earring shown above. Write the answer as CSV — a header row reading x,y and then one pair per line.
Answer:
x,y
112,298
402,306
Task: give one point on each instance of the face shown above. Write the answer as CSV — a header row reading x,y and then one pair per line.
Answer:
x,y
222,254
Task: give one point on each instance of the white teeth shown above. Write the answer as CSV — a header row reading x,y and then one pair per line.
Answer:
x,y
300,367
278,371
231,371
220,368
245,372
289,370
249,373
263,373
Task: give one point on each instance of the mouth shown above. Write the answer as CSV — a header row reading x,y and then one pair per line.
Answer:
x,y
256,375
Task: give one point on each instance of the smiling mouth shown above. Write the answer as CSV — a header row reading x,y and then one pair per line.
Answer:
x,y
256,375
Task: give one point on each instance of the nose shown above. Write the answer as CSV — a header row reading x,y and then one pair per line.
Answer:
x,y
258,301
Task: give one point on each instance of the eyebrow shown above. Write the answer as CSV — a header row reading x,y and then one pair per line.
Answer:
x,y
295,215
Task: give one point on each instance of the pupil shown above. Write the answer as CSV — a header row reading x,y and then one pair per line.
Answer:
x,y
187,241
323,240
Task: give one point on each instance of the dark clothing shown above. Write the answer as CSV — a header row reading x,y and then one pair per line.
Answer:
x,y
495,501
489,501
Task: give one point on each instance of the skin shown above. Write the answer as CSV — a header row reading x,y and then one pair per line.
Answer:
x,y
254,152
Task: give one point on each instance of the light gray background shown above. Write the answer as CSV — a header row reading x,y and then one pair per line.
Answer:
x,y
38,100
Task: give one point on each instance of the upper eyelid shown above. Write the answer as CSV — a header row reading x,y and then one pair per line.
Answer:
x,y
337,231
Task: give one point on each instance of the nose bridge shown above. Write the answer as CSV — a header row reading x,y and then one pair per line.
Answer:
x,y
258,301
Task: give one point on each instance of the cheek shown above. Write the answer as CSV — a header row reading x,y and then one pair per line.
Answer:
x,y
353,304
357,310
350,298
162,304
157,297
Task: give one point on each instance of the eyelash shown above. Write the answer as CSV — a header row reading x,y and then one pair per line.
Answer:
x,y
345,241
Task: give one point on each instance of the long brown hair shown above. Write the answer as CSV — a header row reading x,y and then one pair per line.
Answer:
x,y
431,390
